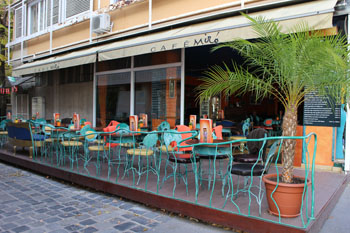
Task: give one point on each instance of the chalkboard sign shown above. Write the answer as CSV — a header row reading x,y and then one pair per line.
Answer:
x,y
318,111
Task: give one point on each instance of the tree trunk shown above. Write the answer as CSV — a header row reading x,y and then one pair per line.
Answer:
x,y
289,127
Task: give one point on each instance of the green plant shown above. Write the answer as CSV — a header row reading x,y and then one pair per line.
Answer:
x,y
285,66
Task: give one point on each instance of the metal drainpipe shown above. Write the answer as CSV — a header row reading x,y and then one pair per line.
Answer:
x,y
9,34
51,19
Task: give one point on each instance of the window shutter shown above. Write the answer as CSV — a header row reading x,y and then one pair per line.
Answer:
x,y
74,7
18,22
55,12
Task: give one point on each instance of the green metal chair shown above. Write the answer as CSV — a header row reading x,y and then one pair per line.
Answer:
x,y
251,170
177,158
94,144
3,132
145,150
50,143
69,145
163,126
121,139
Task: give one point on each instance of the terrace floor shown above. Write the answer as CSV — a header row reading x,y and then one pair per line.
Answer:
x,y
328,188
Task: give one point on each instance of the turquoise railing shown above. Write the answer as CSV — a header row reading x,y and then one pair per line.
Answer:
x,y
150,161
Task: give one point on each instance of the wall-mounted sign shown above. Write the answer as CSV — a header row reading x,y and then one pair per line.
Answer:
x,y
320,111
8,90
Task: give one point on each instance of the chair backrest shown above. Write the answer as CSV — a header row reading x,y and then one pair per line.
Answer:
x,y
3,124
255,146
172,136
112,126
47,129
268,122
270,156
218,132
184,128
163,126
82,121
227,123
122,128
19,131
89,134
245,128
150,140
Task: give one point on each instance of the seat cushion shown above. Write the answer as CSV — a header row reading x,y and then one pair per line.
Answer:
x,y
182,158
51,140
213,156
245,158
139,151
244,169
163,148
72,143
98,148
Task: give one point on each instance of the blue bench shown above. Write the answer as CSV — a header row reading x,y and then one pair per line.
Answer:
x,y
20,135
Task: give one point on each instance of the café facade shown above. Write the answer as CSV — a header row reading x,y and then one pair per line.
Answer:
x,y
107,60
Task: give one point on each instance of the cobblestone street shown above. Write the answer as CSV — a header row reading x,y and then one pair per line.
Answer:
x,y
33,203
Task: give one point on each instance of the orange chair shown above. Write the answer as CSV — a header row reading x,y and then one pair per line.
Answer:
x,y
110,128
218,132
184,128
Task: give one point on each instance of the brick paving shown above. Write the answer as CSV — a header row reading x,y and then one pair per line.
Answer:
x,y
34,203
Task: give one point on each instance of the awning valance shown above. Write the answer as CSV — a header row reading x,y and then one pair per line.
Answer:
x,y
80,57
317,14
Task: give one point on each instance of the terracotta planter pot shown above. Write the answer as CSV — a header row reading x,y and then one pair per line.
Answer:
x,y
287,196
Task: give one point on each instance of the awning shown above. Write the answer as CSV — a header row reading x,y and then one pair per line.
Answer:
x,y
317,14
81,57
18,81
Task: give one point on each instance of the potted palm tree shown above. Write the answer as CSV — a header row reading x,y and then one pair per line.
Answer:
x,y
287,67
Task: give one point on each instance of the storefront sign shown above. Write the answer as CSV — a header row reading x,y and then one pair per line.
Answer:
x,y
320,111
9,90
204,39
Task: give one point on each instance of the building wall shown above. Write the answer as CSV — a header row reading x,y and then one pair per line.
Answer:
x,y
130,18
76,97
65,99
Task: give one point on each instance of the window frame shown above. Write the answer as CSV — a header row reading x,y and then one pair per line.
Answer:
x,y
41,18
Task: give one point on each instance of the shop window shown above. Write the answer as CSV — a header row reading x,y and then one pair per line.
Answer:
x,y
157,93
77,74
113,98
116,64
150,59
41,79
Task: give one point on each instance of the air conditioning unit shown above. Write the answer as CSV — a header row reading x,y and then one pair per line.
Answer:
x,y
101,23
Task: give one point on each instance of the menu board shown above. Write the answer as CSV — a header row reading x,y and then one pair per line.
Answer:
x,y
320,111
193,121
76,121
206,130
56,117
144,120
133,119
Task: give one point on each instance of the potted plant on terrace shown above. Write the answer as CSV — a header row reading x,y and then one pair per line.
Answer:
x,y
287,67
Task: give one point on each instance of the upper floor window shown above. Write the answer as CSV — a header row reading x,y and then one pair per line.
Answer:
x,y
18,22
41,14
36,16
75,7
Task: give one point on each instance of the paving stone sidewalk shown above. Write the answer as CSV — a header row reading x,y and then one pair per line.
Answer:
x,y
33,203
